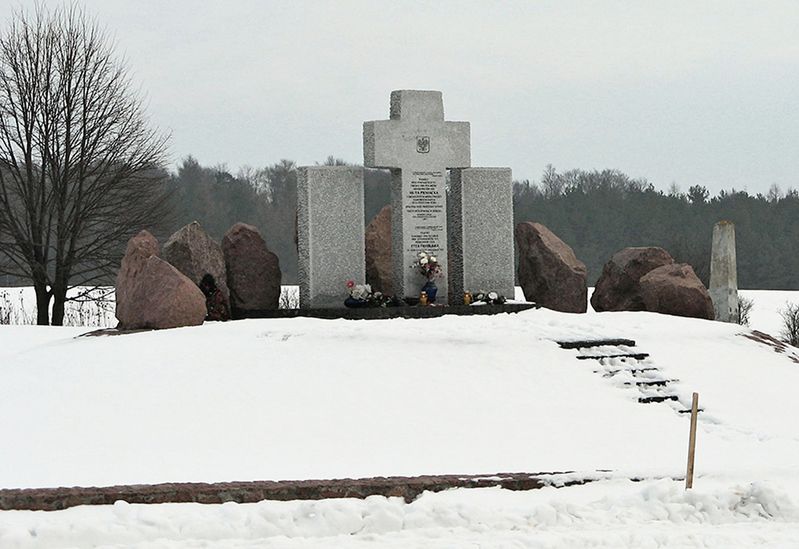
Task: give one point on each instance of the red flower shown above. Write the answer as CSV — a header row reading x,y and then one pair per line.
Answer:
x,y
350,284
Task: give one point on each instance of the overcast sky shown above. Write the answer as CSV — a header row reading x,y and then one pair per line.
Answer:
x,y
675,91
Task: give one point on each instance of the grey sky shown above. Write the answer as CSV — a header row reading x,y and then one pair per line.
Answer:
x,y
686,92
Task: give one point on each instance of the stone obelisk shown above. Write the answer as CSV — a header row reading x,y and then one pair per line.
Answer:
x,y
724,272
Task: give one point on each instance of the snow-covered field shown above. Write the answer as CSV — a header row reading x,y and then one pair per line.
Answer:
x,y
308,398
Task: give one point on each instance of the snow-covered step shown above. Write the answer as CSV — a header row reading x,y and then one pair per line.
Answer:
x,y
652,383
587,344
633,371
629,368
657,398
634,356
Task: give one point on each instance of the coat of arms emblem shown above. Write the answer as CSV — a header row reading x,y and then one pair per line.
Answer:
x,y
422,144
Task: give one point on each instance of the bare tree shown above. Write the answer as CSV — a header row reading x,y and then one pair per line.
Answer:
x,y
333,161
552,183
80,169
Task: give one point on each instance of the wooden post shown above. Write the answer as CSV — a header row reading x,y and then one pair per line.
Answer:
x,y
689,475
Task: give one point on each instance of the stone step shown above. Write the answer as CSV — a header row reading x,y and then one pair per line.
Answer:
x,y
652,383
644,377
662,398
633,371
587,344
634,356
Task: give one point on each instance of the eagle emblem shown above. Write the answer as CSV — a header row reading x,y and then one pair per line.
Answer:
x,y
422,144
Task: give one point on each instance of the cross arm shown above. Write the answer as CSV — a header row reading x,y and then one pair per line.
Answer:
x,y
395,143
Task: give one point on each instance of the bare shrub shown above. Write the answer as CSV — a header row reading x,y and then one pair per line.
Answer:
x,y
745,306
790,323
13,311
5,308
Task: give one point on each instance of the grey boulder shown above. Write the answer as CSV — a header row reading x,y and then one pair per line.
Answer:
x,y
253,272
195,254
549,272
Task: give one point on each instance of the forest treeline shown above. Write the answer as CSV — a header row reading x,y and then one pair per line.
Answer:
x,y
263,197
595,212
600,212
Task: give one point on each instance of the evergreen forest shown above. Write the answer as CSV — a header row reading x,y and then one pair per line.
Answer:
x,y
595,212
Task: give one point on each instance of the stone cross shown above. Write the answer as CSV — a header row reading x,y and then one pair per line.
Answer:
x,y
724,272
418,146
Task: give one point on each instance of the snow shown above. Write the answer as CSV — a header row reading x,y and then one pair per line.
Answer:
x,y
270,399
766,308
308,398
617,513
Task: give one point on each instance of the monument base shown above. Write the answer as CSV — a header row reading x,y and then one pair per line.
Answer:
x,y
382,313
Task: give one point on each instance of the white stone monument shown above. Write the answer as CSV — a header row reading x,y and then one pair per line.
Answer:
x,y
330,233
481,232
418,146
724,272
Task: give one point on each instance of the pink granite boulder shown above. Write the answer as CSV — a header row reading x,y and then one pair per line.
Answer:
x,y
618,286
675,289
378,252
151,293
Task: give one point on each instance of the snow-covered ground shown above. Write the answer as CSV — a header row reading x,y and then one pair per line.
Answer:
x,y
308,398
767,304
612,514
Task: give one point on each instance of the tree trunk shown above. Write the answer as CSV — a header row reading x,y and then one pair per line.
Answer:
x,y
59,300
42,303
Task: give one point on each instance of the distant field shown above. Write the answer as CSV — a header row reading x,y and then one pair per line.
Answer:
x,y
18,306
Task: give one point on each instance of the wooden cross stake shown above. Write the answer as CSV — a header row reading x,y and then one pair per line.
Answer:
x,y
689,475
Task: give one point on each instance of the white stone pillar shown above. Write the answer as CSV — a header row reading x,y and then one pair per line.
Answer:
x,y
481,232
724,272
329,233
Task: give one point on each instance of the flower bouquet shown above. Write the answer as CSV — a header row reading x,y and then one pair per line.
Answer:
x,y
488,298
361,295
427,265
